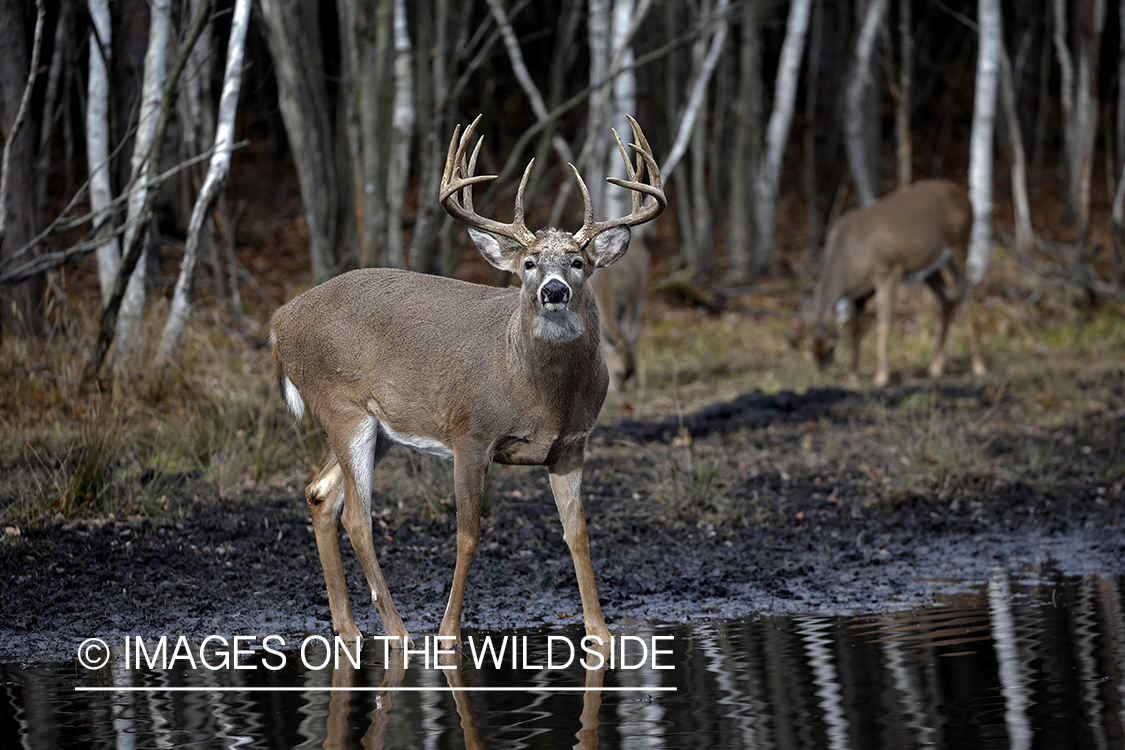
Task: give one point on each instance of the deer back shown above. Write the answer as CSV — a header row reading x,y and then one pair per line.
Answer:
x,y
915,228
437,358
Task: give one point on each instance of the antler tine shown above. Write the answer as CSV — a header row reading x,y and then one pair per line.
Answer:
x,y
456,194
629,169
642,209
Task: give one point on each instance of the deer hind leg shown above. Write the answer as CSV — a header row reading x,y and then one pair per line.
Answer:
x,y
325,496
566,483
885,292
368,448
963,296
469,466
936,282
855,328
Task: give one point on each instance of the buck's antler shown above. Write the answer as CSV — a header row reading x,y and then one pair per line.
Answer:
x,y
642,210
457,182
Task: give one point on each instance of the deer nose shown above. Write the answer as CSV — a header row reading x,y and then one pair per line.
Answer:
x,y
554,292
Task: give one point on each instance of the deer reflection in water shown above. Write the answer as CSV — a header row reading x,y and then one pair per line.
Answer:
x,y
338,722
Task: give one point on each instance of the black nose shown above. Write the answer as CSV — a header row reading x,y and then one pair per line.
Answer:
x,y
554,292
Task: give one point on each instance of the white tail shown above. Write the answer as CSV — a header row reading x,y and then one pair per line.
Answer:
x,y
460,370
620,291
917,232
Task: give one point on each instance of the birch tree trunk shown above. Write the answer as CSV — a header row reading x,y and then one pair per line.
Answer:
x,y
980,144
1021,206
905,87
133,248
432,59
365,25
624,102
293,36
19,213
858,121
1117,212
777,132
155,75
747,143
1092,17
97,142
402,129
698,90
599,22
182,297
1078,70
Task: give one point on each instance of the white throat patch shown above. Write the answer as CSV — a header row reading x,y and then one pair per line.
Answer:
x,y
557,326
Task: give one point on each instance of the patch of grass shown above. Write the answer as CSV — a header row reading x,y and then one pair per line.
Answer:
x,y
71,449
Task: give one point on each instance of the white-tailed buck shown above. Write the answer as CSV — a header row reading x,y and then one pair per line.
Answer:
x,y
620,291
915,233
469,372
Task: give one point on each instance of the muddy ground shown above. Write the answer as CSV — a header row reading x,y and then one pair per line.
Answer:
x,y
797,535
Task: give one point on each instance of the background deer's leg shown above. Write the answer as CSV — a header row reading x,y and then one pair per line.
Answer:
x,y
469,465
855,326
936,281
368,449
325,496
885,292
966,310
566,483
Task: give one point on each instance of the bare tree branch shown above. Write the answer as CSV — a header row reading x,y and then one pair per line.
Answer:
x,y
136,245
21,113
212,185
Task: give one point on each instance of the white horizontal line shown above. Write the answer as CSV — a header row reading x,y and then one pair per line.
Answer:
x,y
367,689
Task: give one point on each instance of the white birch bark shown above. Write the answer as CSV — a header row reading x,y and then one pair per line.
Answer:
x,y
523,76
857,118
699,86
905,95
182,297
1066,98
599,25
402,127
748,110
623,102
97,140
1021,206
777,131
152,90
980,142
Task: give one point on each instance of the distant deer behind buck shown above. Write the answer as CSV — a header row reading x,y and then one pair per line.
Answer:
x,y
916,233
459,370
620,291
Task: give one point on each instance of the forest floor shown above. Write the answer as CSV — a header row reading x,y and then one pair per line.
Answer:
x,y
741,483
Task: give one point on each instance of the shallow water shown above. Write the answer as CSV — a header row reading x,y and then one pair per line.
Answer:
x,y
1030,662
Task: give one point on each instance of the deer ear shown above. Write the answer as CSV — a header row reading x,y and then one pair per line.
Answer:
x,y
607,247
502,252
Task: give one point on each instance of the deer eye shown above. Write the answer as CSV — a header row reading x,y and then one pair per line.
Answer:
x,y
577,264
529,265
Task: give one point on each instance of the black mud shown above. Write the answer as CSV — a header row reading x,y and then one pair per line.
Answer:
x,y
249,566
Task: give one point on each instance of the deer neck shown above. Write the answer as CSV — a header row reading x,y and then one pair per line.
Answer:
x,y
554,348
834,284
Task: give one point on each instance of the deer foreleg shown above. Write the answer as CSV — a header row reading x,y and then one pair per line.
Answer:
x,y
566,483
468,487
885,293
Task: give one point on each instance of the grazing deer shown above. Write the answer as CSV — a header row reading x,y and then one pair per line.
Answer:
x,y
464,371
620,291
914,233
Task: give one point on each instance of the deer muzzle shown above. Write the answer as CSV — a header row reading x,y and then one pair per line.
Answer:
x,y
554,293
